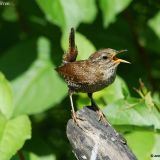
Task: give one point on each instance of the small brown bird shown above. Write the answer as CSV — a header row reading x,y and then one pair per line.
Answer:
x,y
90,75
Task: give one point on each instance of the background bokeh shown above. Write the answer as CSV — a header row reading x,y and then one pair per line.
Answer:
x,y
34,106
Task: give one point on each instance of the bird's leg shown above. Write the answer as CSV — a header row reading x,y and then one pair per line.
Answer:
x,y
74,116
93,102
99,112
73,110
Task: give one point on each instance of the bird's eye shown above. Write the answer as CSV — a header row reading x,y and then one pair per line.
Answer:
x,y
104,57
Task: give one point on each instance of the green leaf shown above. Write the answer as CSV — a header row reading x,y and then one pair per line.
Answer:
x,y
70,13
154,24
40,87
156,99
149,101
33,156
117,90
85,47
111,8
142,143
14,54
10,14
13,134
6,97
132,111
45,157
156,148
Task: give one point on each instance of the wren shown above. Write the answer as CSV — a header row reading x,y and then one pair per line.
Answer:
x,y
90,75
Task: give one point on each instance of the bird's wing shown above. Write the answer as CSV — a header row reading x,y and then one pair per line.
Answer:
x,y
79,72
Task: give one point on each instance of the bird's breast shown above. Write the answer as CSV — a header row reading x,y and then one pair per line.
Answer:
x,y
87,77
90,88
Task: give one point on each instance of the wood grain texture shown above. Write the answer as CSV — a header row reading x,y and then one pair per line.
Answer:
x,y
96,140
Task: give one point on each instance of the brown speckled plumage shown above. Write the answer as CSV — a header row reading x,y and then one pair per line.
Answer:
x,y
90,75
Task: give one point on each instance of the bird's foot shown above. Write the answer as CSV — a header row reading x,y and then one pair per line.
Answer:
x,y
77,119
74,117
101,116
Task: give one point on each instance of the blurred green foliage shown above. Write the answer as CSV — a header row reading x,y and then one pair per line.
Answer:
x,y
33,97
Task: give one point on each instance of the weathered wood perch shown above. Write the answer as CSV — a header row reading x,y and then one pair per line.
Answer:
x,y
96,140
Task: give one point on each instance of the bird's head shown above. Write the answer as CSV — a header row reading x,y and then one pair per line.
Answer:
x,y
108,56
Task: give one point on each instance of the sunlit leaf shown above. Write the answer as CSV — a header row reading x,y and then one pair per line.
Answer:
x,y
117,90
36,157
40,87
111,8
142,143
156,99
132,111
70,13
33,156
149,100
13,134
156,148
154,24
6,97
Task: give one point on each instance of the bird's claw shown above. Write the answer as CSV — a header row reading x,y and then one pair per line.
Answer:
x,y
77,119
101,116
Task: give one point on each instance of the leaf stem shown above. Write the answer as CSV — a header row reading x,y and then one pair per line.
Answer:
x,y
20,155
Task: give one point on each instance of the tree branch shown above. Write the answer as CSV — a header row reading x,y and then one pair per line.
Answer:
x,y
92,139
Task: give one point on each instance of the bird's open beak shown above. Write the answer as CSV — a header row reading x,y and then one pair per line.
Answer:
x,y
118,60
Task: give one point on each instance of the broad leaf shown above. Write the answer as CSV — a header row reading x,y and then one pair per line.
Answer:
x,y
13,134
111,8
40,87
117,90
70,13
44,157
10,14
142,144
33,156
156,148
6,97
156,99
154,24
17,61
132,111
